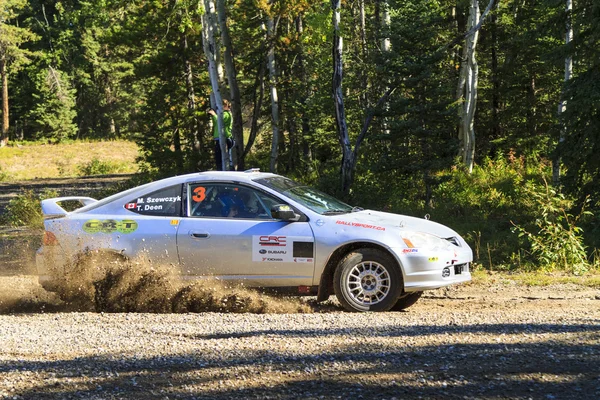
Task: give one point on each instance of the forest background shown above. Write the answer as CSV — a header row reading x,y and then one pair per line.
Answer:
x,y
406,106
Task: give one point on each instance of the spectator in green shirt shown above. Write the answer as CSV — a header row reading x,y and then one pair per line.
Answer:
x,y
227,125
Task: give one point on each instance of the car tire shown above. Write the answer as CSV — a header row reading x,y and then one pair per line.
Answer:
x,y
368,280
407,300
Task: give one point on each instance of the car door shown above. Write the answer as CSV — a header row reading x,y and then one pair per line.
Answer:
x,y
229,233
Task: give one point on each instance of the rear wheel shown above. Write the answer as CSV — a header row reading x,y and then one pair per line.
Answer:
x,y
407,300
368,280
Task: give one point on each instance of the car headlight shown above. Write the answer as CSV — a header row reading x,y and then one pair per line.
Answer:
x,y
425,241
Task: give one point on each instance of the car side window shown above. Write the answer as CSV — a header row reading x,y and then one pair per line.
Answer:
x,y
222,200
165,202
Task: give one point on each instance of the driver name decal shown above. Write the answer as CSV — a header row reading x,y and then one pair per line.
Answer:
x,y
152,203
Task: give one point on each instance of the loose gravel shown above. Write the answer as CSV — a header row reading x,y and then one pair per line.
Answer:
x,y
470,342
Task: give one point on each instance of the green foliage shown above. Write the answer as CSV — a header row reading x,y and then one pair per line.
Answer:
x,y
486,205
26,210
100,167
54,113
13,36
556,240
481,205
3,175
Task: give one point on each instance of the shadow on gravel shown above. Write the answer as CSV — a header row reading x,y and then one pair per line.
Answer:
x,y
544,369
419,330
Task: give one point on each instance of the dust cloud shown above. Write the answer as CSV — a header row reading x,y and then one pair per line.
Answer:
x,y
98,283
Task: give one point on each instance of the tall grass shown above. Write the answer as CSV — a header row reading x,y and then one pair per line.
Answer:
x,y
24,161
26,210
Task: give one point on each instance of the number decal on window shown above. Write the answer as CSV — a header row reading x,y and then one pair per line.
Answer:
x,y
199,194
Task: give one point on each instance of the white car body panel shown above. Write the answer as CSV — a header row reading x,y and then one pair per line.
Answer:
x,y
231,248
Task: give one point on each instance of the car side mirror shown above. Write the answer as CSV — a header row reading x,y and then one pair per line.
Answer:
x,y
284,212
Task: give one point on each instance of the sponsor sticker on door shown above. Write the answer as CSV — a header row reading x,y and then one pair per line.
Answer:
x,y
278,248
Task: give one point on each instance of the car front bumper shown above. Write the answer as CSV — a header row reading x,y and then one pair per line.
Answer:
x,y
425,270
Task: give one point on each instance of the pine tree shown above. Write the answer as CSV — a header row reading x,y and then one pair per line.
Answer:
x,y
12,54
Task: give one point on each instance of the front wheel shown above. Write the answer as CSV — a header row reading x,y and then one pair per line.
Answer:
x,y
368,280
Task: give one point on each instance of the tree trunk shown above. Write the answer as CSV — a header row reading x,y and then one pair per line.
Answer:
x,y
209,44
178,152
271,29
5,125
260,87
348,159
562,106
467,87
234,89
385,48
306,135
531,106
385,25
364,76
495,79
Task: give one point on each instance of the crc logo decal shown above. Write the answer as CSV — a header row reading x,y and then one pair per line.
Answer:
x,y
272,241
110,226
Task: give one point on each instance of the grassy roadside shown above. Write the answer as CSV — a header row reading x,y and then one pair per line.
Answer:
x,y
25,161
484,277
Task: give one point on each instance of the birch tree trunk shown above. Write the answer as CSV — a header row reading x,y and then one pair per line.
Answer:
x,y
234,89
209,45
385,24
271,28
348,159
365,54
5,125
306,135
467,89
495,79
386,46
259,87
562,105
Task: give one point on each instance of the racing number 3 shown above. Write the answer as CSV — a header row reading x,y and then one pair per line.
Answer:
x,y
199,194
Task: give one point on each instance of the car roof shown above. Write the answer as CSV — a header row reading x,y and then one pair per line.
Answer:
x,y
237,176
242,176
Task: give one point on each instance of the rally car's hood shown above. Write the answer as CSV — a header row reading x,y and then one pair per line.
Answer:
x,y
387,221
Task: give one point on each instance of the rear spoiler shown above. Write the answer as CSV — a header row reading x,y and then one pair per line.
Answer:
x,y
51,209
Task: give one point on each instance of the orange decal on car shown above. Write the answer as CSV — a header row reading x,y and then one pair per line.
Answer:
x,y
200,194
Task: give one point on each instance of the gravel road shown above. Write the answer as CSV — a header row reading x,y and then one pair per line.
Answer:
x,y
493,341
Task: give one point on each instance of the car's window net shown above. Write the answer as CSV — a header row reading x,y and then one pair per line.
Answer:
x,y
219,200
309,197
164,202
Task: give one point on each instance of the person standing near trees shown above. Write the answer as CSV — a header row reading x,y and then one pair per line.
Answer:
x,y
227,125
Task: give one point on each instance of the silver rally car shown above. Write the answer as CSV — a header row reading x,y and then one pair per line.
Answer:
x,y
264,230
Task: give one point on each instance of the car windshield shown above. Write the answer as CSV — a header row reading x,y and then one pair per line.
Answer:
x,y
307,196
